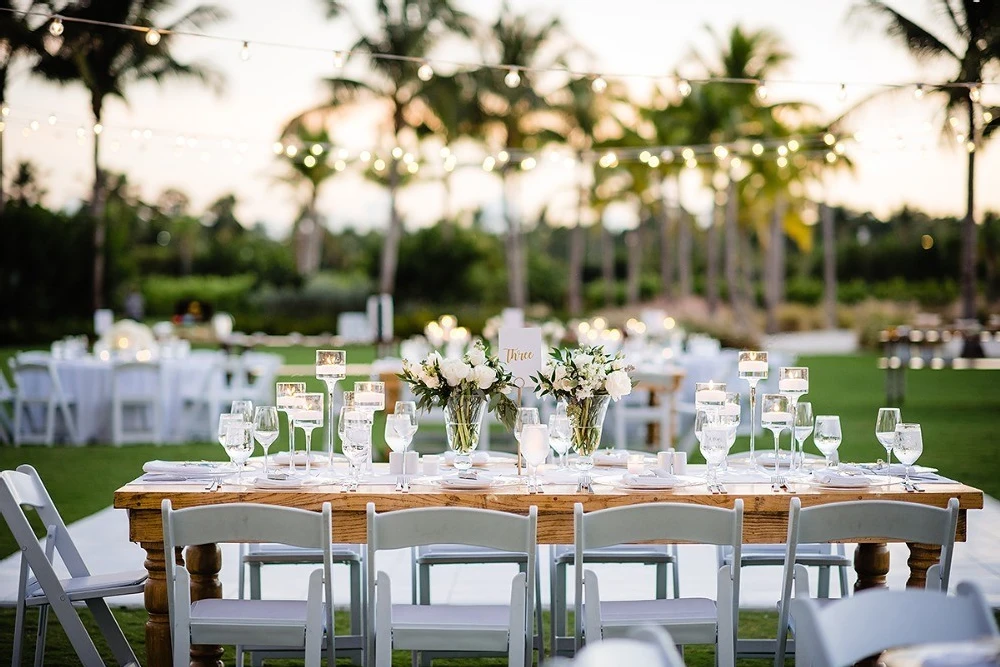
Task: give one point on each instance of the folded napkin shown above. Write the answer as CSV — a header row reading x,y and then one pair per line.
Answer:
x,y
188,469
841,480
464,483
294,482
478,458
168,478
660,480
613,457
315,458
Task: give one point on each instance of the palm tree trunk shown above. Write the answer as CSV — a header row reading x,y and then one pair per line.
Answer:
x,y
633,244
829,266
712,259
968,275
774,265
667,216
97,204
577,247
608,265
3,88
733,253
515,267
684,252
390,249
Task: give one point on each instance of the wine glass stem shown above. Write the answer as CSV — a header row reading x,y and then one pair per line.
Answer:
x,y
777,449
331,422
308,434
753,421
265,460
291,443
888,464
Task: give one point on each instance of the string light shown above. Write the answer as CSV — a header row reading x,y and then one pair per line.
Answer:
x,y
425,72
829,139
365,156
654,161
503,156
512,79
153,37
278,148
379,164
340,165
644,156
4,110
316,149
721,152
52,119
831,157
691,163
918,92
782,151
33,125
684,87
488,163
339,58
842,94
762,90
98,128
342,154
245,52
987,116
309,161
971,146
599,85
667,155
397,153
528,163
56,28
291,150
975,93
758,149
782,162
793,145
687,153
408,158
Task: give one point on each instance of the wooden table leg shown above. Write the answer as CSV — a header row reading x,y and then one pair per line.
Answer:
x,y
203,563
871,563
158,653
922,556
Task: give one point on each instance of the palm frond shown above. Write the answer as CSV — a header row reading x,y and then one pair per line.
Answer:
x,y
920,41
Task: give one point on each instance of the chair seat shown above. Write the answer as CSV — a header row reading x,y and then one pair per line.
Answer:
x,y
460,554
814,560
620,553
266,622
448,627
689,620
291,555
94,586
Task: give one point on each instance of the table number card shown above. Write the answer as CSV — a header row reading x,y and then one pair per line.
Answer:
x,y
521,352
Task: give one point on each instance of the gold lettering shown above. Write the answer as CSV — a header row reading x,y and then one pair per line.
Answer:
x,y
513,354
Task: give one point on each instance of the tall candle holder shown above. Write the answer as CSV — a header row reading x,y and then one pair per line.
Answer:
x,y
288,399
753,368
331,368
369,397
793,382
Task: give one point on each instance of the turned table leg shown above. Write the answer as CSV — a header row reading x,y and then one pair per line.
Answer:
x,y
922,556
203,563
871,563
158,653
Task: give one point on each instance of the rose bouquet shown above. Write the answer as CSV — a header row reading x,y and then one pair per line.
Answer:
x,y
464,386
588,380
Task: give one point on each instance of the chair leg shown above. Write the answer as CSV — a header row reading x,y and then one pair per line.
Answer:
x,y
661,581
356,610
424,593
43,622
553,600
254,581
112,632
539,626
823,581
676,570
843,581
18,632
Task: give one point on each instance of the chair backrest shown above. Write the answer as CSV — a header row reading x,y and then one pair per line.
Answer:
x,y
6,390
844,631
137,379
36,380
247,522
866,519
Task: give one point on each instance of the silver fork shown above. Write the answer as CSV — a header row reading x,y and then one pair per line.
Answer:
x,y
910,486
778,483
399,483
213,485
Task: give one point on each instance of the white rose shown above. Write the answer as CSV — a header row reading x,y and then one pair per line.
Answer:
x,y
477,357
582,360
484,376
429,379
618,364
455,371
433,359
583,393
618,384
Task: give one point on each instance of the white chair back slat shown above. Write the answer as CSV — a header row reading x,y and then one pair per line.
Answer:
x,y
635,523
245,522
449,525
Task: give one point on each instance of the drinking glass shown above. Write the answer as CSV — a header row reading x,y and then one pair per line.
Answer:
x,y
828,436
345,408
408,408
713,446
224,421
309,416
752,367
534,449
802,429
287,400
731,415
265,429
525,416
776,416
331,368
793,382
399,430
701,418
239,445
908,446
244,408
560,436
885,431
369,397
357,442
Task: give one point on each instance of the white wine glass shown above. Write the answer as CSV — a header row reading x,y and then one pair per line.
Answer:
x,y
309,417
265,430
244,408
560,436
885,431
827,437
535,449
239,445
224,421
908,447
525,416
408,408
713,446
357,443
731,416
802,429
776,416
369,397
399,432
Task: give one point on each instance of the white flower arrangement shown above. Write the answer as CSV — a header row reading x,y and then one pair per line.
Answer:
x,y
582,373
436,380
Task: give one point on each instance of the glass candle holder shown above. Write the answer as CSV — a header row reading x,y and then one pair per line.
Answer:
x,y
752,367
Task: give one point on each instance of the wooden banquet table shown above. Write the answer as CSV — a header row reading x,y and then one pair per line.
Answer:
x,y
765,522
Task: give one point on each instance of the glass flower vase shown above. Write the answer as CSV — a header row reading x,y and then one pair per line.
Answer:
x,y
586,418
463,419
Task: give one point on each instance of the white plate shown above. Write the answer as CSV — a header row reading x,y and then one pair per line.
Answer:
x,y
452,482
847,483
296,482
480,459
315,458
665,483
190,469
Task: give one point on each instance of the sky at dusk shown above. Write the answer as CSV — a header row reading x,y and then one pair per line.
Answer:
x,y
903,159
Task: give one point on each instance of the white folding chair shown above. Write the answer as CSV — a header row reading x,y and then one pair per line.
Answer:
x,y
689,620
6,403
263,625
859,520
39,401
846,631
136,402
648,646
254,556
635,408
445,628
40,586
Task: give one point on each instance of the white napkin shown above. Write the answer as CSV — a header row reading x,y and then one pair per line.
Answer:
x,y
289,483
188,469
315,458
614,457
840,480
478,458
463,483
657,481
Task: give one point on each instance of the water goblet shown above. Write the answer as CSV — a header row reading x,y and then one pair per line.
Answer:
x,y
560,436
408,408
908,447
287,400
752,367
776,416
534,449
827,437
308,417
525,416
239,445
801,430
244,408
713,446
345,408
731,416
399,430
265,429
224,421
331,368
885,431
357,443
369,397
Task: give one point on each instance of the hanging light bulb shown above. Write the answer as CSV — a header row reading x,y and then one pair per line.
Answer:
x,y
309,161
316,149
98,128
52,119
245,52
503,156
599,85
758,149
644,156
364,156
339,58
987,116
721,152
488,163
278,148
653,161
918,92
33,125
842,95
340,165
793,145
782,162
152,36
687,153
4,109
379,164
831,157
762,90
291,150
975,93
397,153
829,139
425,72
512,79
528,163
56,27
782,151
684,87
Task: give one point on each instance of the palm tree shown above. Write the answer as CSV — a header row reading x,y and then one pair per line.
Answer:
x,y
407,32
108,61
967,39
17,40
308,169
